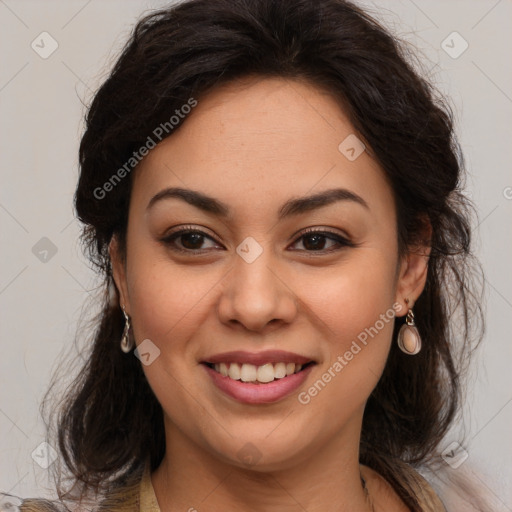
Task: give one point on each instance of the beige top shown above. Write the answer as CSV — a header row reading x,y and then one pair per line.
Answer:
x,y
430,502
147,493
140,496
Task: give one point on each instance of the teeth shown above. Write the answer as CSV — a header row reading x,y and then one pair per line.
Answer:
x,y
279,371
234,371
248,373
265,373
251,373
223,369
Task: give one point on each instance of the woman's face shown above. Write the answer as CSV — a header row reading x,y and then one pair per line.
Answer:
x,y
252,288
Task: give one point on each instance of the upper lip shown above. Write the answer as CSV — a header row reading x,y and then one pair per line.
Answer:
x,y
257,358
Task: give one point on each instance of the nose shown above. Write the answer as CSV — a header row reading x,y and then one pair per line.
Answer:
x,y
257,296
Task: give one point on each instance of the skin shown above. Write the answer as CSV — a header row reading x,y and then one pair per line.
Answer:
x,y
254,144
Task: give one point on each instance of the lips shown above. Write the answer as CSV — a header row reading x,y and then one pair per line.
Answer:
x,y
258,358
261,377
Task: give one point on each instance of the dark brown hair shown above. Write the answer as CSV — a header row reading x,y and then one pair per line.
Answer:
x,y
111,422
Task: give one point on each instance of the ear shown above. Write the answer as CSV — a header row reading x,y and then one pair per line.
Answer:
x,y
118,263
412,274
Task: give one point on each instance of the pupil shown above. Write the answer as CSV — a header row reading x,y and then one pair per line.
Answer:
x,y
192,240
317,242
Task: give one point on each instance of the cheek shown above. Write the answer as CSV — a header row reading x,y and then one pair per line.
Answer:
x,y
168,301
353,296
355,303
170,304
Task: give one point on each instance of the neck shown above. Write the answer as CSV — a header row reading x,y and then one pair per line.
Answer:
x,y
325,478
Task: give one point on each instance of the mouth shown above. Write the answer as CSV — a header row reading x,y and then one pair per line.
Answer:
x,y
258,374
256,378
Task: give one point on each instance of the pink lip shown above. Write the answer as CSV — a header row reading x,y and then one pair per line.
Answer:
x,y
249,393
257,358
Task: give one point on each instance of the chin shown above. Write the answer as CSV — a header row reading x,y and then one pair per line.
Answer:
x,y
263,452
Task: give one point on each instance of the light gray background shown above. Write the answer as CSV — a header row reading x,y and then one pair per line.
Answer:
x,y
41,122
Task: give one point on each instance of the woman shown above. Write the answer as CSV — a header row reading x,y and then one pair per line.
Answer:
x,y
272,195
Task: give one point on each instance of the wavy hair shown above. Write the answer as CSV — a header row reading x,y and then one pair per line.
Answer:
x,y
110,423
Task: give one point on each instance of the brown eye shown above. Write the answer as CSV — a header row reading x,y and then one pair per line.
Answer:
x,y
188,240
192,240
316,241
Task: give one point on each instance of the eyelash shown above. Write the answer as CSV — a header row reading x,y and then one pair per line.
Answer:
x,y
341,241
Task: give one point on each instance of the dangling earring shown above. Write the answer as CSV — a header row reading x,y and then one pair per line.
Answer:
x,y
126,341
409,340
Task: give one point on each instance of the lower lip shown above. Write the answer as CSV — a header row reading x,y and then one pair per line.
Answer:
x,y
249,393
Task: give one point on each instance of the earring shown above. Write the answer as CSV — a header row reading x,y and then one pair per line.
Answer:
x,y
409,340
126,341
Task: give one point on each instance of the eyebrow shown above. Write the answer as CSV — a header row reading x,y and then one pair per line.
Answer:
x,y
290,208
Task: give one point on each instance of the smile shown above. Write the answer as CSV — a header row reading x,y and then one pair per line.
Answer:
x,y
257,374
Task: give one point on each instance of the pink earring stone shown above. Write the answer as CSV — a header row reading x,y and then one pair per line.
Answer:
x,y
409,340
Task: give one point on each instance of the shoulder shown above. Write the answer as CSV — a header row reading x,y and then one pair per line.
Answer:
x,y
137,494
383,493
428,497
125,498
122,500
9,503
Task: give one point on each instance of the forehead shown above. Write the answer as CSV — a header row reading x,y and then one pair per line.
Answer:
x,y
258,141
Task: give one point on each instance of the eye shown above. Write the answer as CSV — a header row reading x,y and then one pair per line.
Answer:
x,y
188,240
314,240
192,240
